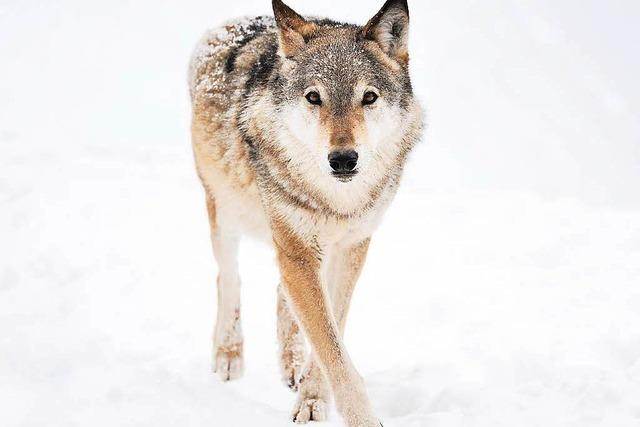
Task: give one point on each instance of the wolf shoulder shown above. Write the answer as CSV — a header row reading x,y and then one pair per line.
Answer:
x,y
225,56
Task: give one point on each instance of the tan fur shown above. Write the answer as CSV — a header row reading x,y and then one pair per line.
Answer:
x,y
341,130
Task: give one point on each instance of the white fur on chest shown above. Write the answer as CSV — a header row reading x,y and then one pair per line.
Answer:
x,y
331,230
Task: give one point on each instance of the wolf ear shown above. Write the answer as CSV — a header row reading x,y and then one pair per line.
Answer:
x,y
294,29
390,29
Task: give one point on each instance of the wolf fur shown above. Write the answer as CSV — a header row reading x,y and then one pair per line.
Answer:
x,y
261,150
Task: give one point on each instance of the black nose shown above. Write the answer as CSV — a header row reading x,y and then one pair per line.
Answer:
x,y
343,161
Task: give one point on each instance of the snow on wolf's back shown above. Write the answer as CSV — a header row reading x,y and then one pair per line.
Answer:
x,y
215,51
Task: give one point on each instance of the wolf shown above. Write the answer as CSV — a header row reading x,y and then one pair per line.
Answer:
x,y
301,128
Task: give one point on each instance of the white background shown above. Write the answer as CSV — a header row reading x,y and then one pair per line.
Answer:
x,y
502,289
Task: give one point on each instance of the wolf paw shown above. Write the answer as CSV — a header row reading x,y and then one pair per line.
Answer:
x,y
228,363
310,410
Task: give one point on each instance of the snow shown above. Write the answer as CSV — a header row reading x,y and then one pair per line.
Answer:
x,y
501,290
233,32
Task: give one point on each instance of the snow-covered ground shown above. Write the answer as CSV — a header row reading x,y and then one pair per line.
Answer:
x,y
502,290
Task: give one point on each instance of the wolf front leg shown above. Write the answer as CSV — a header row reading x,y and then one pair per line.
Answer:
x,y
343,268
300,263
346,266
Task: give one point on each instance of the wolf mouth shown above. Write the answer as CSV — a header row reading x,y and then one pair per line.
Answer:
x,y
344,176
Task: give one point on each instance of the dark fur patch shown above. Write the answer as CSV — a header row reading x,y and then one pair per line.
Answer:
x,y
396,29
230,63
262,68
257,27
324,22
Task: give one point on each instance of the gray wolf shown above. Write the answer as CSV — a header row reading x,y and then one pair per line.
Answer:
x,y
301,129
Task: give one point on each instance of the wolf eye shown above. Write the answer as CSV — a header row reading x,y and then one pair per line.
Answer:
x,y
369,98
314,98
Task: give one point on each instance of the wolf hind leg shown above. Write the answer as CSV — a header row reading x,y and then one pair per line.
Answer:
x,y
227,339
291,344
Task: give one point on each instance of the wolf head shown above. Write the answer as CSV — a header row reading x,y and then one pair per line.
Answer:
x,y
344,97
